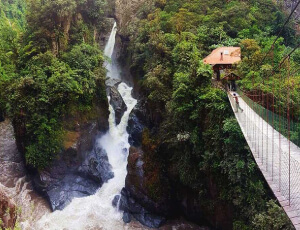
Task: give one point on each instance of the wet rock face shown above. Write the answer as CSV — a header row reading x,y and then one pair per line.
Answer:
x,y
77,172
117,103
101,124
135,184
132,208
103,36
8,214
14,182
126,217
135,200
220,216
135,176
136,124
1,116
96,166
135,130
111,82
71,177
11,165
182,224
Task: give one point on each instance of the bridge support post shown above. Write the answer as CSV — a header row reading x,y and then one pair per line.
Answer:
x,y
289,128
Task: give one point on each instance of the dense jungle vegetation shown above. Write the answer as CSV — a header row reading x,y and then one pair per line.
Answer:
x,y
198,141
51,70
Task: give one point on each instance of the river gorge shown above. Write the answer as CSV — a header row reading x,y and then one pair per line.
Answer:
x,y
111,118
96,211
74,210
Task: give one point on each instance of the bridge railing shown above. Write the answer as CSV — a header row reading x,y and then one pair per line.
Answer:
x,y
279,123
270,149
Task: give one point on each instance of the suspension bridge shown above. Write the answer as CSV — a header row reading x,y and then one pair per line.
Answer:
x,y
268,136
270,122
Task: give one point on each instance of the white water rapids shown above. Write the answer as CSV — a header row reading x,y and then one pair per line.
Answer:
x,y
96,211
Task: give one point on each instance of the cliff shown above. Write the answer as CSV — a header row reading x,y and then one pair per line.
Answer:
x,y
18,200
127,13
289,5
8,214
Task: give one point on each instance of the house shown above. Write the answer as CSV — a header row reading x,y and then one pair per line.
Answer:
x,y
223,58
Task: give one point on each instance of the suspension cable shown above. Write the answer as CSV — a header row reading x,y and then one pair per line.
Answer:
x,y
286,22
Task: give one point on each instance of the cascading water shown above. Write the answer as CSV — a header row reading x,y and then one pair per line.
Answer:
x,y
97,212
112,69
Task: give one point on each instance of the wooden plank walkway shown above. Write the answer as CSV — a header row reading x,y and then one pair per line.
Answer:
x,y
280,167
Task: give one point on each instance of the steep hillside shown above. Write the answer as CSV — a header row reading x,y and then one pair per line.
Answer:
x,y
193,155
52,75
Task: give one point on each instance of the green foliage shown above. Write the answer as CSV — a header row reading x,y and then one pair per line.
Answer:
x,y
59,23
45,142
199,139
39,97
87,61
50,68
45,92
155,181
263,72
246,190
47,74
272,219
12,22
12,13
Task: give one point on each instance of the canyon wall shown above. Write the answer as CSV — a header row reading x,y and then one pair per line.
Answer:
x,y
127,12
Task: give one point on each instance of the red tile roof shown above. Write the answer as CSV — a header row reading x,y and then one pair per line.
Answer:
x,y
230,55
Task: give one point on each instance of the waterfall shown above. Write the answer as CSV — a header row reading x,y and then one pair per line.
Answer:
x,y
96,211
110,65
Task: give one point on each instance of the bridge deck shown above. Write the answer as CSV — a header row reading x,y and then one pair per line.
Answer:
x,y
280,167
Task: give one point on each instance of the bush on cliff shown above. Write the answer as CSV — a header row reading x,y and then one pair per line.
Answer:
x,y
47,74
196,137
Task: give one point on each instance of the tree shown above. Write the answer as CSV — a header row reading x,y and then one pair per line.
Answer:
x,y
272,219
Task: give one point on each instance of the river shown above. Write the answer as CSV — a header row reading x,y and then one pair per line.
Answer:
x,y
96,211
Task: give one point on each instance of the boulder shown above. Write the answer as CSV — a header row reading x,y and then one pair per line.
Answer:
x,y
96,166
61,192
116,200
73,176
133,208
112,82
79,170
138,120
126,217
117,103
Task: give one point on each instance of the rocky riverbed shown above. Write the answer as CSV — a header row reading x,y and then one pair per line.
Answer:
x,y
16,189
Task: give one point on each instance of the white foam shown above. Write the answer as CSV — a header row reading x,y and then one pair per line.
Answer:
x,y
96,211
